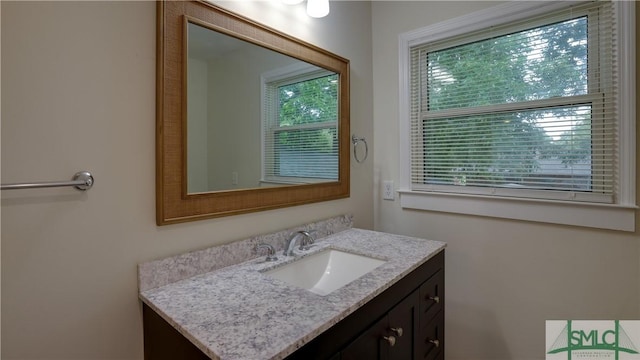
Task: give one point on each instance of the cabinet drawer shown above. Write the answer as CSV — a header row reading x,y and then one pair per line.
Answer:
x,y
432,339
431,297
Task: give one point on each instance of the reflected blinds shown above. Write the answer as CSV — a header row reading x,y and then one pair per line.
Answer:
x,y
301,131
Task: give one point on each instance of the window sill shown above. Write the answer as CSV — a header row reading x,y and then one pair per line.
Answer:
x,y
600,216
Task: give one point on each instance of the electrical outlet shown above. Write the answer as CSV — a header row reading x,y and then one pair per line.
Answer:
x,y
387,190
234,178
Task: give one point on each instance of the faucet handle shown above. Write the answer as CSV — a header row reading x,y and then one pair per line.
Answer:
x,y
271,252
307,239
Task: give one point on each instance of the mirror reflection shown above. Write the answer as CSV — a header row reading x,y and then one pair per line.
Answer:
x,y
255,117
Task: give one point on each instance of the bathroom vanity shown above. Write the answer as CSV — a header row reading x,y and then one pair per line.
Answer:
x,y
404,322
394,311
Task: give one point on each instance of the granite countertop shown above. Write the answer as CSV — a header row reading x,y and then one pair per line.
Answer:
x,y
237,312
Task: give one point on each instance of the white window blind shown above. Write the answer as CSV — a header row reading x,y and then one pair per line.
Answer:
x,y
526,109
301,129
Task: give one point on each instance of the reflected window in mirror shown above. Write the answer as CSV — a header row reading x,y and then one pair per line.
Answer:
x,y
300,125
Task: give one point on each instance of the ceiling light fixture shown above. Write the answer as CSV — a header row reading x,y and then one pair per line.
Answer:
x,y
315,8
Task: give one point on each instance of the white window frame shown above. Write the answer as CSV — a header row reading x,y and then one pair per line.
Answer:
x,y
296,72
617,216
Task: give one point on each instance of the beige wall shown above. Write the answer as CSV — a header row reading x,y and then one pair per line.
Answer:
x,y
504,278
78,92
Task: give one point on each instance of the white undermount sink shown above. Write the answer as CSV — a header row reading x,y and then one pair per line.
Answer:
x,y
325,271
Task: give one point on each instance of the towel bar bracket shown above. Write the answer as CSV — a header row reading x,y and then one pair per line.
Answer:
x,y
86,178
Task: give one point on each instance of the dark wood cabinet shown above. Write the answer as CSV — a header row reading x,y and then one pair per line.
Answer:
x,y
404,322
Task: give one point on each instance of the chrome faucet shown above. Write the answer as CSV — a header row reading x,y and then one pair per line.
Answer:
x,y
306,240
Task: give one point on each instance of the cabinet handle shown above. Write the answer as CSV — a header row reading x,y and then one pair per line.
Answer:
x,y
390,339
435,342
398,331
436,299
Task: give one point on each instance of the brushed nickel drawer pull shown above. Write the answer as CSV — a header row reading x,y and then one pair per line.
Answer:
x,y
398,331
435,342
391,340
436,299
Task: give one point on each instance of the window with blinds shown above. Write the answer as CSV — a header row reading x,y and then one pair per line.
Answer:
x,y
526,109
300,134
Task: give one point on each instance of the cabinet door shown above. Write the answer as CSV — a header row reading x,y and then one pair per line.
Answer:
x,y
393,337
370,345
403,324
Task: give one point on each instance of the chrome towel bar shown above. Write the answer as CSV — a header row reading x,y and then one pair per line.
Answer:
x,y
82,180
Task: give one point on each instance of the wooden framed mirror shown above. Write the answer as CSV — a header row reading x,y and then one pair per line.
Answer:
x,y
284,141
